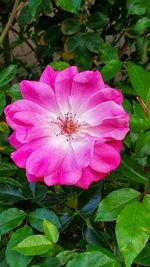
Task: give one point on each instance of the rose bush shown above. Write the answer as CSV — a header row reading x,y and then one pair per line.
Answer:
x,y
69,129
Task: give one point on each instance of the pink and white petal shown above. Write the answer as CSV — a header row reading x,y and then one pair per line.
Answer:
x,y
109,129
25,105
26,134
11,123
32,178
22,154
83,150
40,93
48,76
106,94
68,173
105,158
84,85
103,111
119,99
63,84
45,160
26,118
13,141
89,176
52,179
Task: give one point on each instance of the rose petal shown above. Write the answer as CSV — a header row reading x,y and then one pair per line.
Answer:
x,y
105,158
40,93
63,85
48,76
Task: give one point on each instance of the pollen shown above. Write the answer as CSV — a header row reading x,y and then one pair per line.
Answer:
x,y
68,124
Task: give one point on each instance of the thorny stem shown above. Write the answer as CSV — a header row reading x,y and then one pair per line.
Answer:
x,y
8,25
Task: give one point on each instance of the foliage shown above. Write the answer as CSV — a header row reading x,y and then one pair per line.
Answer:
x,y
108,225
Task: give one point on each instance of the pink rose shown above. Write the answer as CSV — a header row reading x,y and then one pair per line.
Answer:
x,y
67,128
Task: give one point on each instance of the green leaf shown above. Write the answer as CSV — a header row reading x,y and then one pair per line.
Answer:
x,y
2,102
93,42
75,42
15,259
65,256
143,145
144,257
138,7
28,13
10,219
59,65
33,245
83,59
9,192
140,80
141,25
92,203
50,231
71,26
46,7
110,207
94,238
8,168
148,104
14,92
132,169
111,68
132,228
50,262
97,20
108,52
36,218
142,47
146,202
7,74
94,258
69,5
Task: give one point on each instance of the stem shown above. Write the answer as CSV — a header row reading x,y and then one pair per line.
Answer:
x,y
6,46
8,25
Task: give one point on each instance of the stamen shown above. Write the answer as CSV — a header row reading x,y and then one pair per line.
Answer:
x,y
68,125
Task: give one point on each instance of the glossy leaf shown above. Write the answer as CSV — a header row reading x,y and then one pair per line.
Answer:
x,y
93,42
9,192
50,231
97,20
36,218
71,6
7,74
111,69
132,169
15,259
144,257
14,92
95,258
71,26
143,145
59,65
140,79
33,245
65,256
91,204
10,219
132,229
2,102
110,207
28,12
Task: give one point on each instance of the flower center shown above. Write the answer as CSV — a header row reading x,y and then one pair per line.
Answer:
x,y
68,125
